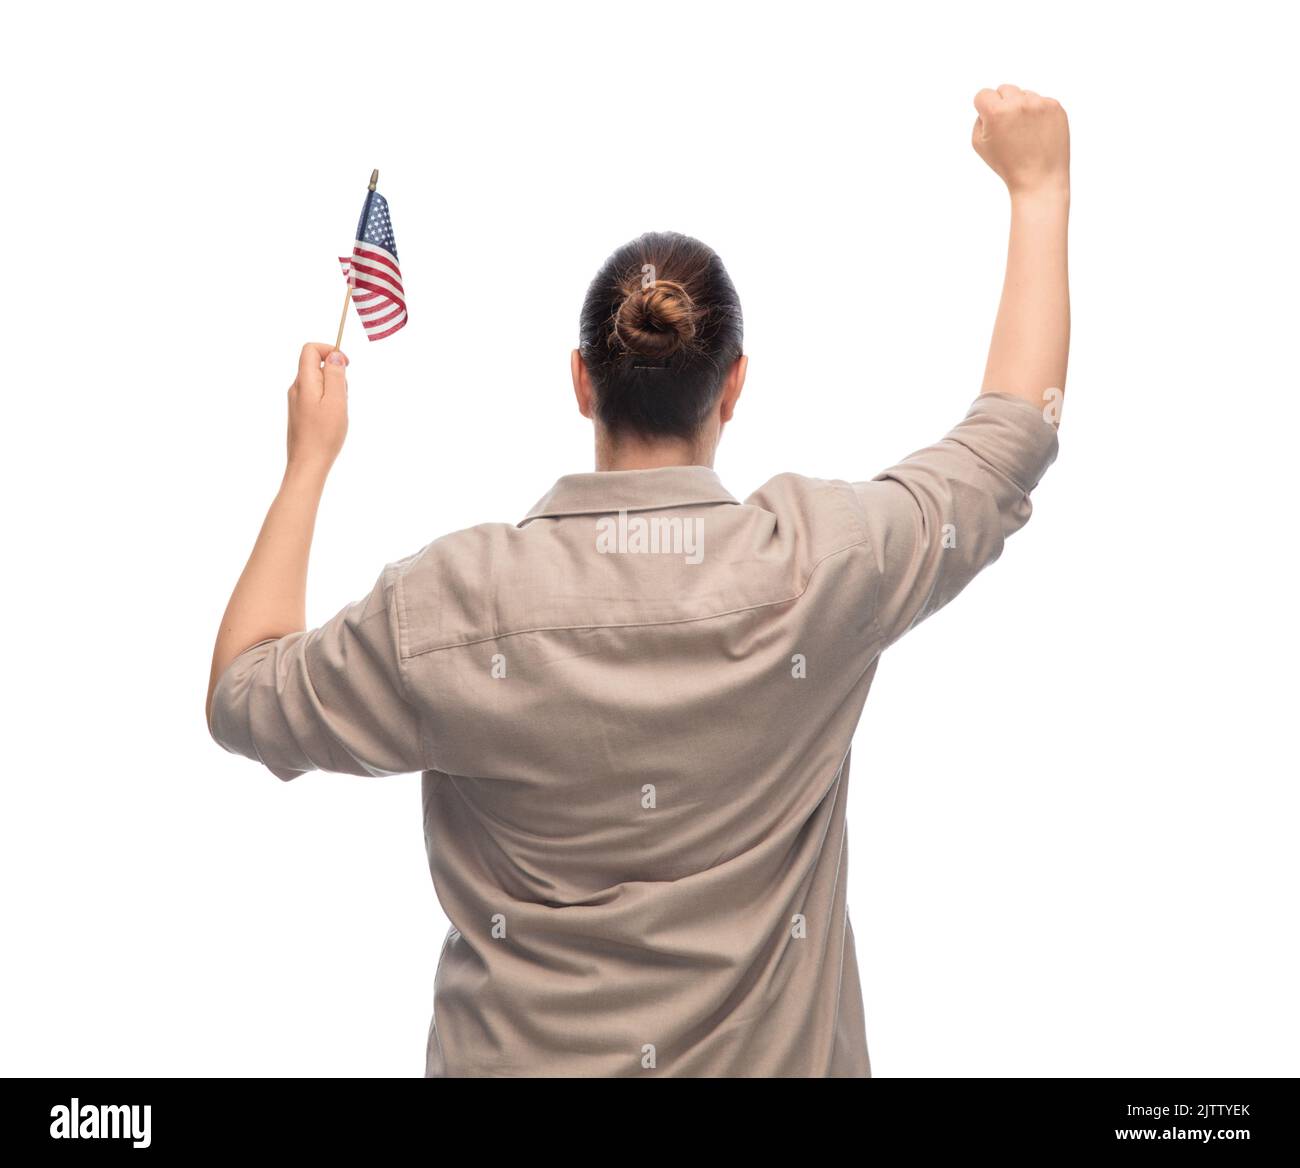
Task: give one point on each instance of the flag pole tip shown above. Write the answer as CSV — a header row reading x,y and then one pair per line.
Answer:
x,y
374,179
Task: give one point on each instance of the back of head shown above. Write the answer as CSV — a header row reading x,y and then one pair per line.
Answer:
x,y
661,326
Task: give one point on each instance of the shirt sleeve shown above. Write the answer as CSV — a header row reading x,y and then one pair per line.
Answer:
x,y
331,698
940,516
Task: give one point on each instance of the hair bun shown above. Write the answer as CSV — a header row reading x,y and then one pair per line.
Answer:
x,y
656,321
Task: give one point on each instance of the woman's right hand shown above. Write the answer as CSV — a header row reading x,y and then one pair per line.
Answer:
x,y
1025,138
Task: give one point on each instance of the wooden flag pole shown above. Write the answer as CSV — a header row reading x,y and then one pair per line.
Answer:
x,y
344,319
347,296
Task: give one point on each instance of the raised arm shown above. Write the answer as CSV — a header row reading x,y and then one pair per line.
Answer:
x,y
332,698
942,515
270,599
1025,138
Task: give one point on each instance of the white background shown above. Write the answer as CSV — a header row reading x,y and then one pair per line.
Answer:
x,y
1073,820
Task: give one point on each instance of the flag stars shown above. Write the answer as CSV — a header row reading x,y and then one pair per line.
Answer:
x,y
378,228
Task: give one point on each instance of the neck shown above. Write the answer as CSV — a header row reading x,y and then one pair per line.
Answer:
x,y
627,453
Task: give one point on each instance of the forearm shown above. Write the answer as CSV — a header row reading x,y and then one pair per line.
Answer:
x,y
1031,336
270,599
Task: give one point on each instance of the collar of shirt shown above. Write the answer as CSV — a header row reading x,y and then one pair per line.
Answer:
x,y
598,492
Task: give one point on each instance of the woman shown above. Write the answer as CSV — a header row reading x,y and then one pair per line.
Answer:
x,y
633,709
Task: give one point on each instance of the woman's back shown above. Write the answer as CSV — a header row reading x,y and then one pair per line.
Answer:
x,y
635,807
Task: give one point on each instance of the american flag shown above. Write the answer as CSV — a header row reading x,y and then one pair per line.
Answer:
x,y
372,271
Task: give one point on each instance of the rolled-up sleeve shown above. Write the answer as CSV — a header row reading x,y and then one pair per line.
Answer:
x,y
332,698
942,515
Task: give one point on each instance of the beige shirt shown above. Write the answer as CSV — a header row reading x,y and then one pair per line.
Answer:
x,y
633,713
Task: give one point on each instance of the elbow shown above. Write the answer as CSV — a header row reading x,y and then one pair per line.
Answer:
x,y
207,718
282,773
221,715
213,720
242,720
216,709
231,744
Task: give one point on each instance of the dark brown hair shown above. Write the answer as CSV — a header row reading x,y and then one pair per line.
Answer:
x,y
660,327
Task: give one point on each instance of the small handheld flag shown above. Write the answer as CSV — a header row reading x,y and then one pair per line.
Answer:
x,y
372,272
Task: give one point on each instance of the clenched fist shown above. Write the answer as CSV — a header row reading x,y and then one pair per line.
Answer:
x,y
1025,138
318,407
